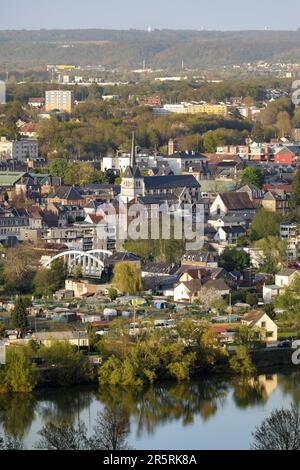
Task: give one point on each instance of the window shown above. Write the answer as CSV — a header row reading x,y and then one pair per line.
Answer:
x,y
263,324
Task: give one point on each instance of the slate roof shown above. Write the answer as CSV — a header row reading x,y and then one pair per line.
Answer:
x,y
237,201
217,284
67,192
171,181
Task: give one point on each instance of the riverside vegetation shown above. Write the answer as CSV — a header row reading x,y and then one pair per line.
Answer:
x,y
178,354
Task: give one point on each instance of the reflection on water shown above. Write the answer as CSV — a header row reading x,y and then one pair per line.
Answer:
x,y
164,404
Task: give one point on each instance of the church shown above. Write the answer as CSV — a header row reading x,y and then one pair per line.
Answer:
x,y
177,189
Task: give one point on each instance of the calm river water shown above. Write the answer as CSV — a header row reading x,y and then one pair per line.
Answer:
x,y
207,414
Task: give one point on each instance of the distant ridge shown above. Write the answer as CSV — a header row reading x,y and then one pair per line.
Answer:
x,y
159,48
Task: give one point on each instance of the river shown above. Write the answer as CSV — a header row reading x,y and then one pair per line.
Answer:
x,y
206,414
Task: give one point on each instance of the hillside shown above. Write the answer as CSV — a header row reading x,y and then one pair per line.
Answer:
x,y
160,48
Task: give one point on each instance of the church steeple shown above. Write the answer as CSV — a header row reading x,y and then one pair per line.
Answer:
x,y
132,156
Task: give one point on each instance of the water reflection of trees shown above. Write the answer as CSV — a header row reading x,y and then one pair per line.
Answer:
x,y
290,385
65,406
164,403
17,412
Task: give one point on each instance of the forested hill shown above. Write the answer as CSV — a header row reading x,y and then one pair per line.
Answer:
x,y
159,48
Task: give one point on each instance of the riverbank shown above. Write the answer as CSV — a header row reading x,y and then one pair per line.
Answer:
x,y
264,361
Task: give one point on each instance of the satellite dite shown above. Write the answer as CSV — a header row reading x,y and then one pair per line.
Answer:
x,y
2,92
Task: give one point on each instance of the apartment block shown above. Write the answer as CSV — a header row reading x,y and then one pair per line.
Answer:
x,y
61,100
21,150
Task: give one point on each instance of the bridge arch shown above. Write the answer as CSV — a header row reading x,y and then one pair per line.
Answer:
x,y
91,265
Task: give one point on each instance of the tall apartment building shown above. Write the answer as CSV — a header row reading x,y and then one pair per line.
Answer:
x,y
61,100
21,150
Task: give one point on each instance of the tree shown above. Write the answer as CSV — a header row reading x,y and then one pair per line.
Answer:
x,y
290,297
265,224
19,371
95,92
273,253
2,330
20,265
241,362
252,299
233,259
112,293
295,196
253,175
127,278
270,311
111,429
208,298
48,281
58,167
10,443
63,437
280,431
18,319
71,365
247,336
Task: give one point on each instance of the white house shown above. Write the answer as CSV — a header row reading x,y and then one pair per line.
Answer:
x,y
187,291
285,277
260,320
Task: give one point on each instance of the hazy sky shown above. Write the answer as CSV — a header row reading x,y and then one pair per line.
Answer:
x,y
124,14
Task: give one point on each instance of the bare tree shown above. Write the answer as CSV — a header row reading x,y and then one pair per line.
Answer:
x,y
10,443
280,431
111,429
63,437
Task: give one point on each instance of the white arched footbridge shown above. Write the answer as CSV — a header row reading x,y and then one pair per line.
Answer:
x,y
91,262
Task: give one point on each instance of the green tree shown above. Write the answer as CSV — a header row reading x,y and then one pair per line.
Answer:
x,y
274,253
2,330
58,167
241,362
234,259
295,196
253,175
264,224
19,314
112,293
19,373
127,278
290,297
252,299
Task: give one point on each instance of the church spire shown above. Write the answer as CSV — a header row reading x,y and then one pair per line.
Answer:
x,y
132,157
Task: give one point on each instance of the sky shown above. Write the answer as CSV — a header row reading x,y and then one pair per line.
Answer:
x,y
141,14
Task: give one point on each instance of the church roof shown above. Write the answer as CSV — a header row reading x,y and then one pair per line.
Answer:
x,y
171,181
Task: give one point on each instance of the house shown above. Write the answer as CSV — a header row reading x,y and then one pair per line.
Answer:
x,y
36,103
66,195
255,194
187,291
218,285
260,320
152,269
226,202
286,155
197,259
276,201
286,277
270,292
75,338
229,234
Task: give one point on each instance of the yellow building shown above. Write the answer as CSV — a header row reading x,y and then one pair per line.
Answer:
x,y
208,108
